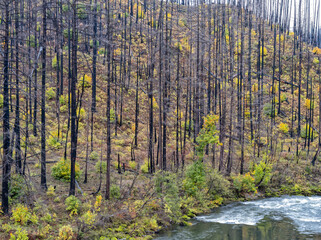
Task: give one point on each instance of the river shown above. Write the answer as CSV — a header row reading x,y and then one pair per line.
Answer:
x,y
282,218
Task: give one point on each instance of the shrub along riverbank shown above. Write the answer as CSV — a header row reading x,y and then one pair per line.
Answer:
x,y
150,203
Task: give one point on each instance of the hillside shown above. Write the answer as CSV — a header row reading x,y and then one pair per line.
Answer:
x,y
191,106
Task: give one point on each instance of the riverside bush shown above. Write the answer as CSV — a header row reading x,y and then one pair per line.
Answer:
x,y
194,181
245,183
217,185
167,187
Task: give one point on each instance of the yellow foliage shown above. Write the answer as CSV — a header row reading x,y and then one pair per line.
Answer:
x,y
308,104
141,13
98,203
65,233
255,87
283,127
264,50
89,218
278,37
117,52
51,191
317,51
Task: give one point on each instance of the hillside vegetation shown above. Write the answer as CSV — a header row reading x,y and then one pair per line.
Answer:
x,y
123,117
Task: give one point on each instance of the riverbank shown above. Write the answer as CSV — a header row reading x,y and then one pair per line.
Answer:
x,y
142,204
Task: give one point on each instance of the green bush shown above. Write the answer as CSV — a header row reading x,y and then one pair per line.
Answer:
x,y
245,183
267,109
132,164
167,187
81,114
72,204
305,132
31,41
66,33
93,155
115,191
17,187
1,101
195,180
84,81
91,43
61,170
65,233
112,115
54,62
64,109
63,100
82,11
101,166
19,235
144,167
54,142
262,173
50,93
217,185
22,215
65,8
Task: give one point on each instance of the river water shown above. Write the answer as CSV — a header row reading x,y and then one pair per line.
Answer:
x,y
282,218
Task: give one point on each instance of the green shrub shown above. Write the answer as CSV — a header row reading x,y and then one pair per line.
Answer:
x,y
132,164
305,129
91,43
31,41
51,191
54,142
1,101
195,180
17,187
262,173
208,134
115,191
64,109
61,170
19,235
217,185
144,167
22,215
82,11
66,33
50,93
81,114
54,62
245,183
101,51
93,155
112,115
63,100
85,81
101,166
283,127
65,233
167,187
72,204
268,111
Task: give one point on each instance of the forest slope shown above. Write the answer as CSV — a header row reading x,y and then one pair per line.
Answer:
x,y
192,106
